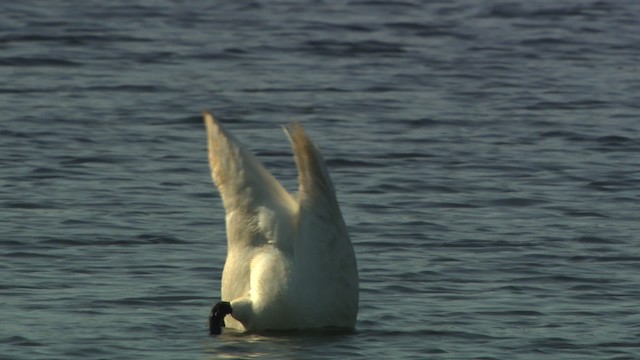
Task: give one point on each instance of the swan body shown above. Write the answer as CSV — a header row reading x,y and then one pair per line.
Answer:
x,y
290,263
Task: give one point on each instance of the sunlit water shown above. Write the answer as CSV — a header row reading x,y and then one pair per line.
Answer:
x,y
485,154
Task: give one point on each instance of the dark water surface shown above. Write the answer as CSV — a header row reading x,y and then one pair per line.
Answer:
x,y
486,156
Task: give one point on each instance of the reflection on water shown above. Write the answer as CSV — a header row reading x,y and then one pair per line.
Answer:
x,y
232,344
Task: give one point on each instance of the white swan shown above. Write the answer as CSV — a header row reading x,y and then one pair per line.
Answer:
x,y
290,263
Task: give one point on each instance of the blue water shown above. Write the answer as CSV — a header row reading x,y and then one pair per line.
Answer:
x,y
486,156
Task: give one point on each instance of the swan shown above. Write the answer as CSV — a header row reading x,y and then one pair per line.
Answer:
x,y
290,263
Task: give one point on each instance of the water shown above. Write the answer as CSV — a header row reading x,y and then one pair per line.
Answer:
x,y
485,156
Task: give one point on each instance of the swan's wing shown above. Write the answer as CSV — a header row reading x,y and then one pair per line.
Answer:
x,y
255,202
320,217
323,246
315,186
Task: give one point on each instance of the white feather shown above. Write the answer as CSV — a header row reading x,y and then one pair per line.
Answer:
x,y
290,263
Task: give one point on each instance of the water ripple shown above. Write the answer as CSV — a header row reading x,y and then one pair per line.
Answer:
x,y
484,156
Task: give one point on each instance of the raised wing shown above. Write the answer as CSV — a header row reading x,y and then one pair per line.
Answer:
x,y
322,245
255,202
316,195
315,186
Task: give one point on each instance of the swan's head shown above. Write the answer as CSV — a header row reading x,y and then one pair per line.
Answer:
x,y
216,317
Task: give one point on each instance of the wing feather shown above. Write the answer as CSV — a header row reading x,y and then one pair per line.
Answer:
x,y
315,185
254,200
323,244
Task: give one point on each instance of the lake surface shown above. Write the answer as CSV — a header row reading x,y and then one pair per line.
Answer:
x,y
486,156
